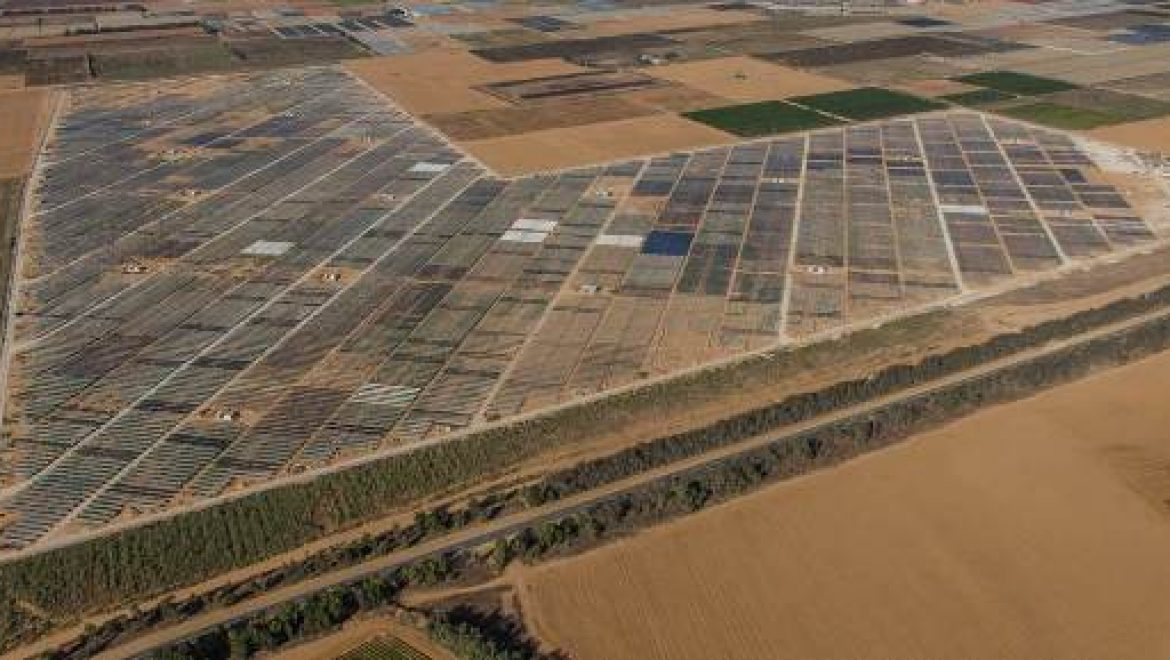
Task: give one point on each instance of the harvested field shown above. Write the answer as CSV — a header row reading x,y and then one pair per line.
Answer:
x,y
499,122
25,113
436,82
879,557
746,79
1150,134
559,148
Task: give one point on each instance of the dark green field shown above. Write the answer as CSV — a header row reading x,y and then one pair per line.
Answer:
x,y
1060,116
756,119
1012,82
868,103
979,97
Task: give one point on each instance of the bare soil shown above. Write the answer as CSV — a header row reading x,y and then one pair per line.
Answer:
x,y
561,113
1146,135
1033,530
561,148
25,114
745,79
442,81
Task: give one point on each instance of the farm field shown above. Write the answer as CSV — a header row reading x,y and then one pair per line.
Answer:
x,y
25,114
338,280
995,536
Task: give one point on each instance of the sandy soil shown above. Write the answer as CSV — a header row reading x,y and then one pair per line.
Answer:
x,y
676,18
441,81
557,113
747,79
24,113
1147,135
360,632
560,148
1032,530
14,81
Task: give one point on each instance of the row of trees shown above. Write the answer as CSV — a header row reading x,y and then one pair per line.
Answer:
x,y
139,562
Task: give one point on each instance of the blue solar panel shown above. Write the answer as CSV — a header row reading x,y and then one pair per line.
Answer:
x,y
668,243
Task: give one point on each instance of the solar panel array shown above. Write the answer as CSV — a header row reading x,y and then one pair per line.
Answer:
x,y
229,282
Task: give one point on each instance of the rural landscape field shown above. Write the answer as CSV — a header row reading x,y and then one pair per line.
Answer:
x,y
584,329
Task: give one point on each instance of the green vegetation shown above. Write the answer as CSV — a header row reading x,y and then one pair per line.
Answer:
x,y
979,97
1061,116
385,648
182,59
867,103
1016,83
766,118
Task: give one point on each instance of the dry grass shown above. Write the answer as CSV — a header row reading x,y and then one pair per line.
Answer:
x,y
745,79
1033,530
561,148
25,113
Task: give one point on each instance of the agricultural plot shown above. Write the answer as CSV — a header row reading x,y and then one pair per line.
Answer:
x,y
249,277
385,648
766,118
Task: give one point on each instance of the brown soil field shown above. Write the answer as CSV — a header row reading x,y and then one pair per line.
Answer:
x,y
14,81
1037,529
745,79
560,148
441,81
676,98
675,19
25,112
561,113
1147,135
934,88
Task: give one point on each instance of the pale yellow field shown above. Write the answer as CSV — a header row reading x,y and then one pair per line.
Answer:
x,y
745,79
1035,531
559,148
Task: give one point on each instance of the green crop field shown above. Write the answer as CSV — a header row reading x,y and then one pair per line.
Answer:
x,y
1016,83
868,103
979,97
756,119
1061,116
385,648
